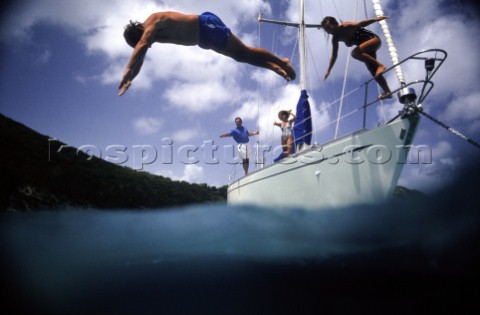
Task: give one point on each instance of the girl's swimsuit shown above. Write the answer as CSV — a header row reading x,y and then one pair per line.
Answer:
x,y
213,32
286,131
360,36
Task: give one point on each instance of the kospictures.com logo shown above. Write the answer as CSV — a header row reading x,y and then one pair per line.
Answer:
x,y
139,155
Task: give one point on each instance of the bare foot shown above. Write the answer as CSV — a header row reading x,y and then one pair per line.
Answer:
x,y
380,69
385,95
278,70
289,69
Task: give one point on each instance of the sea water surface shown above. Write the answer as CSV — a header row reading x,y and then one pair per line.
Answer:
x,y
413,256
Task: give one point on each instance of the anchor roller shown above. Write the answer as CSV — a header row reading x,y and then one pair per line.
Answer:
x,y
407,95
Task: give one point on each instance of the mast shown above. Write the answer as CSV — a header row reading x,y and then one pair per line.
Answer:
x,y
303,124
301,44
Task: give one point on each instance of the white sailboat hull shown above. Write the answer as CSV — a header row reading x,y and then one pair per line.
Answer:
x,y
362,168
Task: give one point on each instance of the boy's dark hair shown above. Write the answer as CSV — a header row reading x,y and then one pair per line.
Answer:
x,y
133,32
329,19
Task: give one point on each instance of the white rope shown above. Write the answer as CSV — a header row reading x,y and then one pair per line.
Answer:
x,y
388,38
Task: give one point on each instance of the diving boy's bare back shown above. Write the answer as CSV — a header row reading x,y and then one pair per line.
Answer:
x,y
205,30
173,27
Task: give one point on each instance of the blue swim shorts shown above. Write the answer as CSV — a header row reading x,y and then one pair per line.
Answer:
x,y
213,32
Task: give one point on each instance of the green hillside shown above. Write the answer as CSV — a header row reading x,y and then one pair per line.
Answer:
x,y
34,175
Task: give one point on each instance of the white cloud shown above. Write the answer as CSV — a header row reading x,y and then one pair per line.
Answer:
x,y
147,126
412,13
442,150
248,110
199,97
184,135
193,174
464,109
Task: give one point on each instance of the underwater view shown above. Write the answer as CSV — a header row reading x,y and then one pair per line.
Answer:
x,y
404,256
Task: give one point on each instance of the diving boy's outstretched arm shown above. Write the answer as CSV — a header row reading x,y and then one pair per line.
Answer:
x,y
136,60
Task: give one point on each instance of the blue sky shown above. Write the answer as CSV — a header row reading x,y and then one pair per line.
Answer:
x,y
62,61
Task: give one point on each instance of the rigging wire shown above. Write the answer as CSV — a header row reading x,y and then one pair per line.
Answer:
x,y
258,95
265,137
258,83
331,122
345,79
342,97
271,98
314,135
316,72
315,67
331,89
365,7
294,49
382,105
336,11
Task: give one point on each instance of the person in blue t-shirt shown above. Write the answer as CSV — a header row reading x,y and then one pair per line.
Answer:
x,y
241,135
